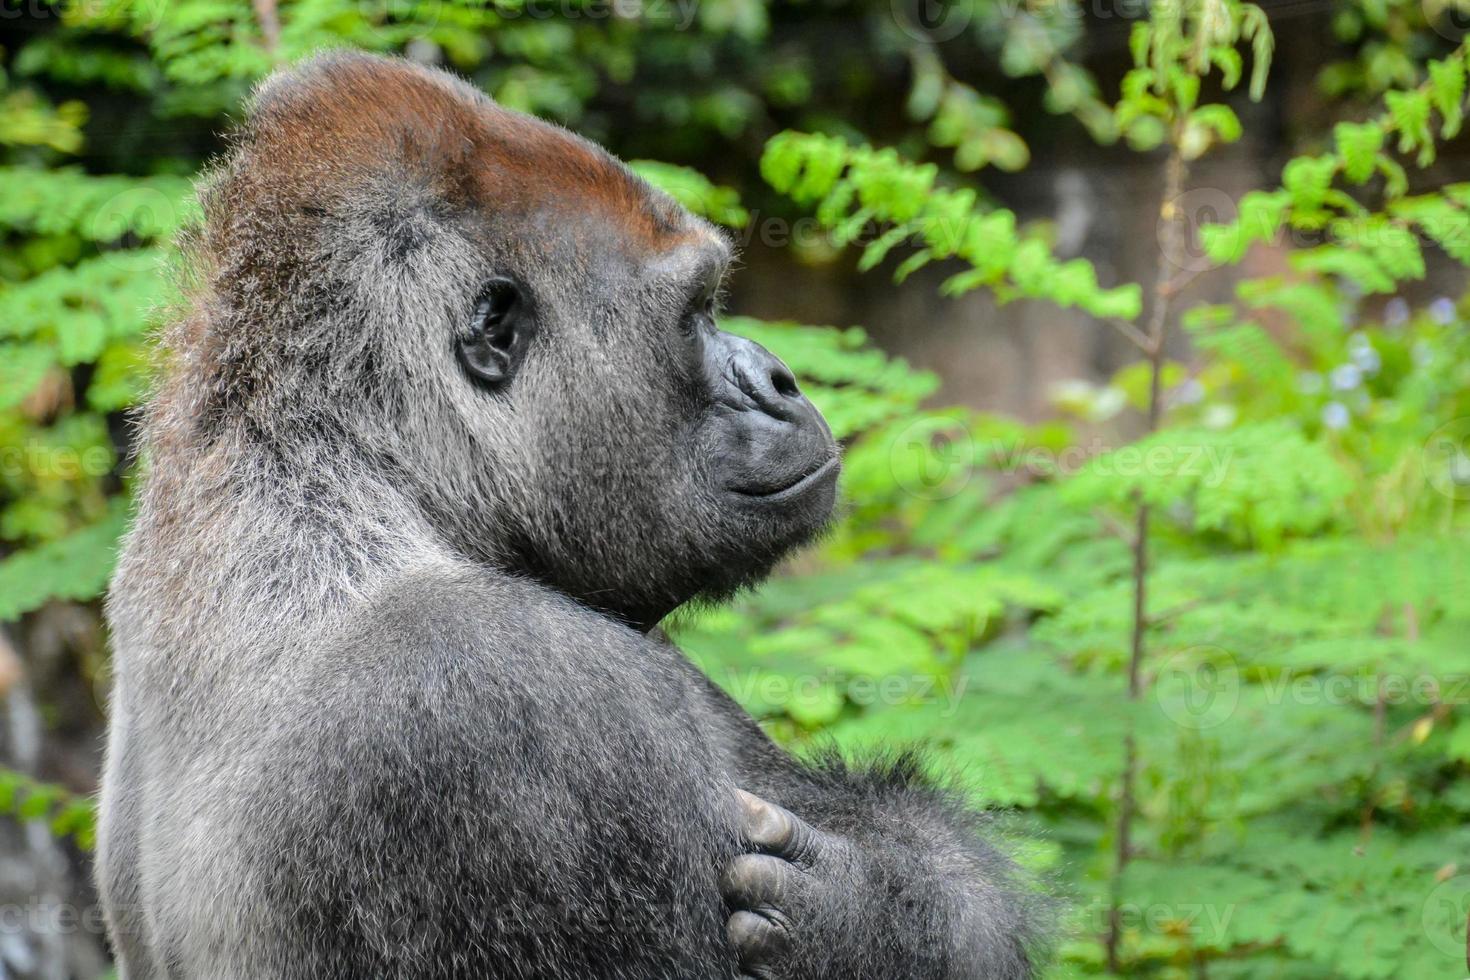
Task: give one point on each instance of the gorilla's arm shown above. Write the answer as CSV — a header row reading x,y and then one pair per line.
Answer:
x,y
865,872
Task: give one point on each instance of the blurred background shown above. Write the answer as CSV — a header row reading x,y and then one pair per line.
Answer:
x,y
1143,325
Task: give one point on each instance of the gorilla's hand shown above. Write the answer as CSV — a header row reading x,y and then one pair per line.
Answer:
x,y
792,890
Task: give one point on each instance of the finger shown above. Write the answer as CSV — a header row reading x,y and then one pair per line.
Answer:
x,y
759,942
759,881
775,830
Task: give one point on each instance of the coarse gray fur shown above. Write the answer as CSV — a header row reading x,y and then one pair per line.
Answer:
x,y
385,706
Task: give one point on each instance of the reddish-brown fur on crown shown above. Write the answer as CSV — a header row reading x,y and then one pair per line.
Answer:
x,y
345,118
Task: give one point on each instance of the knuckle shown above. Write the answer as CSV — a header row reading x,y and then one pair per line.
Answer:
x,y
741,875
755,936
760,880
762,819
804,847
769,824
777,827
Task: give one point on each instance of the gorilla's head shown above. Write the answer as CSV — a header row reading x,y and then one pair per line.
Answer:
x,y
510,328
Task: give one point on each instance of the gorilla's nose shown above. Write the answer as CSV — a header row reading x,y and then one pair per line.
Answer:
x,y
765,380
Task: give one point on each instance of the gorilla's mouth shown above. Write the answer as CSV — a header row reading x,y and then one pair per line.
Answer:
x,y
796,487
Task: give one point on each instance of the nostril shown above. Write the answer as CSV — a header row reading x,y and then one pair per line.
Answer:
x,y
784,382
760,380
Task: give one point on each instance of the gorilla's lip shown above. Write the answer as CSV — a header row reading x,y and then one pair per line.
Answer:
x,y
795,488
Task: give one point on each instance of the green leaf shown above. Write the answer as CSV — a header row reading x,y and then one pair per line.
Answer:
x,y
1358,145
74,568
1447,90
1410,114
694,191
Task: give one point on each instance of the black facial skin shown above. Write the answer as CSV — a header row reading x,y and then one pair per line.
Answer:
x,y
449,427
776,448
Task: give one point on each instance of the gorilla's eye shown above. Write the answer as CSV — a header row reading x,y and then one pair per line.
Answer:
x,y
497,332
700,317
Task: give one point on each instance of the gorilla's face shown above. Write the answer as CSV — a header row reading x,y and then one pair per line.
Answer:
x,y
642,456
519,331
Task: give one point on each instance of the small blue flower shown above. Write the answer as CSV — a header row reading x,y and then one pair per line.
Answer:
x,y
1396,313
1335,415
1346,377
1188,393
1442,310
1364,354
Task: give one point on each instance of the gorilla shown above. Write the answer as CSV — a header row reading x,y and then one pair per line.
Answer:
x,y
446,426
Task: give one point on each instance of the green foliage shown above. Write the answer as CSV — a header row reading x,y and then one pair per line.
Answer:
x,y
854,187
695,191
1302,725
1258,481
65,814
75,567
1172,52
1374,250
1302,733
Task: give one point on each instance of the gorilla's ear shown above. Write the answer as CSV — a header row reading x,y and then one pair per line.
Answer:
x,y
499,330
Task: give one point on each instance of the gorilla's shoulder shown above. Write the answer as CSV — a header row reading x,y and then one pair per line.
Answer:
x,y
450,596
450,661
468,620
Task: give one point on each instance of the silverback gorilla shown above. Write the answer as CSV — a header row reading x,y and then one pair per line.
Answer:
x,y
447,427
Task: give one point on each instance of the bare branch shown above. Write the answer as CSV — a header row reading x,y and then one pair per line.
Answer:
x,y
1134,335
270,23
